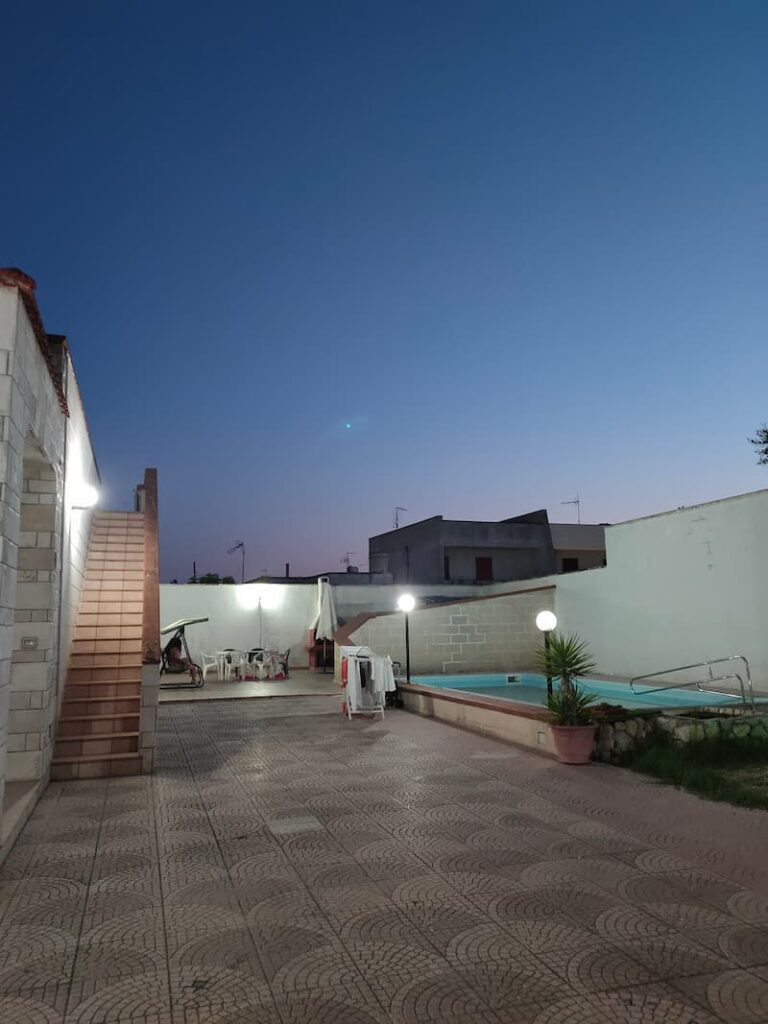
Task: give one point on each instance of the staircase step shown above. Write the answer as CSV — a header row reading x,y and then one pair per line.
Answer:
x,y
96,767
90,706
96,746
113,620
80,662
96,602
128,674
98,733
120,647
74,726
103,691
91,632
133,534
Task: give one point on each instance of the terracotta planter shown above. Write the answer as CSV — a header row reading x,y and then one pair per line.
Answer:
x,y
573,743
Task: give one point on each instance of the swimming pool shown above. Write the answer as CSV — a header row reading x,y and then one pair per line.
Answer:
x,y
527,688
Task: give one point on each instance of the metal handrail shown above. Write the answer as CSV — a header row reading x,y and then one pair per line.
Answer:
x,y
698,683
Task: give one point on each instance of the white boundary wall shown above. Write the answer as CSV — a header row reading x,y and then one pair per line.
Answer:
x,y
679,587
287,611
235,620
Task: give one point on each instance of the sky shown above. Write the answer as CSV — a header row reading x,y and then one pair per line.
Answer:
x,y
316,260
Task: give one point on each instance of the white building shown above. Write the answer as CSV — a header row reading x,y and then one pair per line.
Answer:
x,y
48,475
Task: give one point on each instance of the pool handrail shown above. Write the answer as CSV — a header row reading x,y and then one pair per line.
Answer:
x,y
698,683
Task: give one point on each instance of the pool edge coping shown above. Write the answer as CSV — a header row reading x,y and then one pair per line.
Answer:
x,y
489,703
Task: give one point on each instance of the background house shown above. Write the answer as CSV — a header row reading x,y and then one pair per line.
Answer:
x,y
448,550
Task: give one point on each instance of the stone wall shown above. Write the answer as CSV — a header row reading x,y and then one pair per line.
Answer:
x,y
495,634
616,741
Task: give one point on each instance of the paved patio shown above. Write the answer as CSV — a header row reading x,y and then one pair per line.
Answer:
x,y
287,866
301,683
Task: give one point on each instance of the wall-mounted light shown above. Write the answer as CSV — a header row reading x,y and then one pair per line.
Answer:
x,y
85,496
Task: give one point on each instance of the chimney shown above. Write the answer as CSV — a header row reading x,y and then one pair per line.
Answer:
x,y
287,570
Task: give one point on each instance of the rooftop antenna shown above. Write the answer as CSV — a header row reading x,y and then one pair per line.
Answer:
x,y
396,517
575,501
238,546
347,559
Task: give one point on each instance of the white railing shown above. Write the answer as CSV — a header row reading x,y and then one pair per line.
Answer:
x,y
747,692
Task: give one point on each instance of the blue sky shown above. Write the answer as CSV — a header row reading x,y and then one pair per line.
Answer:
x,y
519,247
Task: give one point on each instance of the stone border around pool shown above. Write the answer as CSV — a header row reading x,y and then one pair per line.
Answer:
x,y
485,715
614,741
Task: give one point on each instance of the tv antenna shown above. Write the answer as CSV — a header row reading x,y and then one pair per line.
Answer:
x,y
347,559
575,501
238,546
396,516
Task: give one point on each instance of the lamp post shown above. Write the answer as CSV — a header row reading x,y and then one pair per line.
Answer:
x,y
406,603
546,621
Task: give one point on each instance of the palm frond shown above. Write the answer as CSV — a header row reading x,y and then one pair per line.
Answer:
x,y
570,706
567,657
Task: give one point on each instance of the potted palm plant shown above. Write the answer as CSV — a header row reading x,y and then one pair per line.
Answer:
x,y
573,731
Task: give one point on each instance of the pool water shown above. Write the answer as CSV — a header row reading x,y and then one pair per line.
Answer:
x,y
527,688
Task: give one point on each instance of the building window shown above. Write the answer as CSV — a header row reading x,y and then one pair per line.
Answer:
x,y
484,569
446,567
570,565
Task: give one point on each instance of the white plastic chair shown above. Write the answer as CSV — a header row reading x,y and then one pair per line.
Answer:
x,y
209,662
234,665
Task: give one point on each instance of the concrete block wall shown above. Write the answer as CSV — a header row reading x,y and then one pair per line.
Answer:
x,y
29,408
42,449
34,669
150,693
493,634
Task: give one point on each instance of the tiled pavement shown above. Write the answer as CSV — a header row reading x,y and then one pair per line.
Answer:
x,y
286,866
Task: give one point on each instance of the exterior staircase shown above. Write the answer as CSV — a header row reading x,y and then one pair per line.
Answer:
x,y
99,725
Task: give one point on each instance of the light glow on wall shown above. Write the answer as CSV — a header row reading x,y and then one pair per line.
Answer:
x,y
80,493
254,595
84,496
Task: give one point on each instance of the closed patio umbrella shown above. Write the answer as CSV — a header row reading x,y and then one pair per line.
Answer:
x,y
326,622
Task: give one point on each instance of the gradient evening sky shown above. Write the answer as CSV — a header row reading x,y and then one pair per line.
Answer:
x,y
520,247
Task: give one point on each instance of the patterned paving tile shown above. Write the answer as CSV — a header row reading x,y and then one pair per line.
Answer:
x,y
736,996
638,1005
286,866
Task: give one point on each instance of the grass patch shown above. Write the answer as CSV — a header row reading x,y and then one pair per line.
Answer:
x,y
729,769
